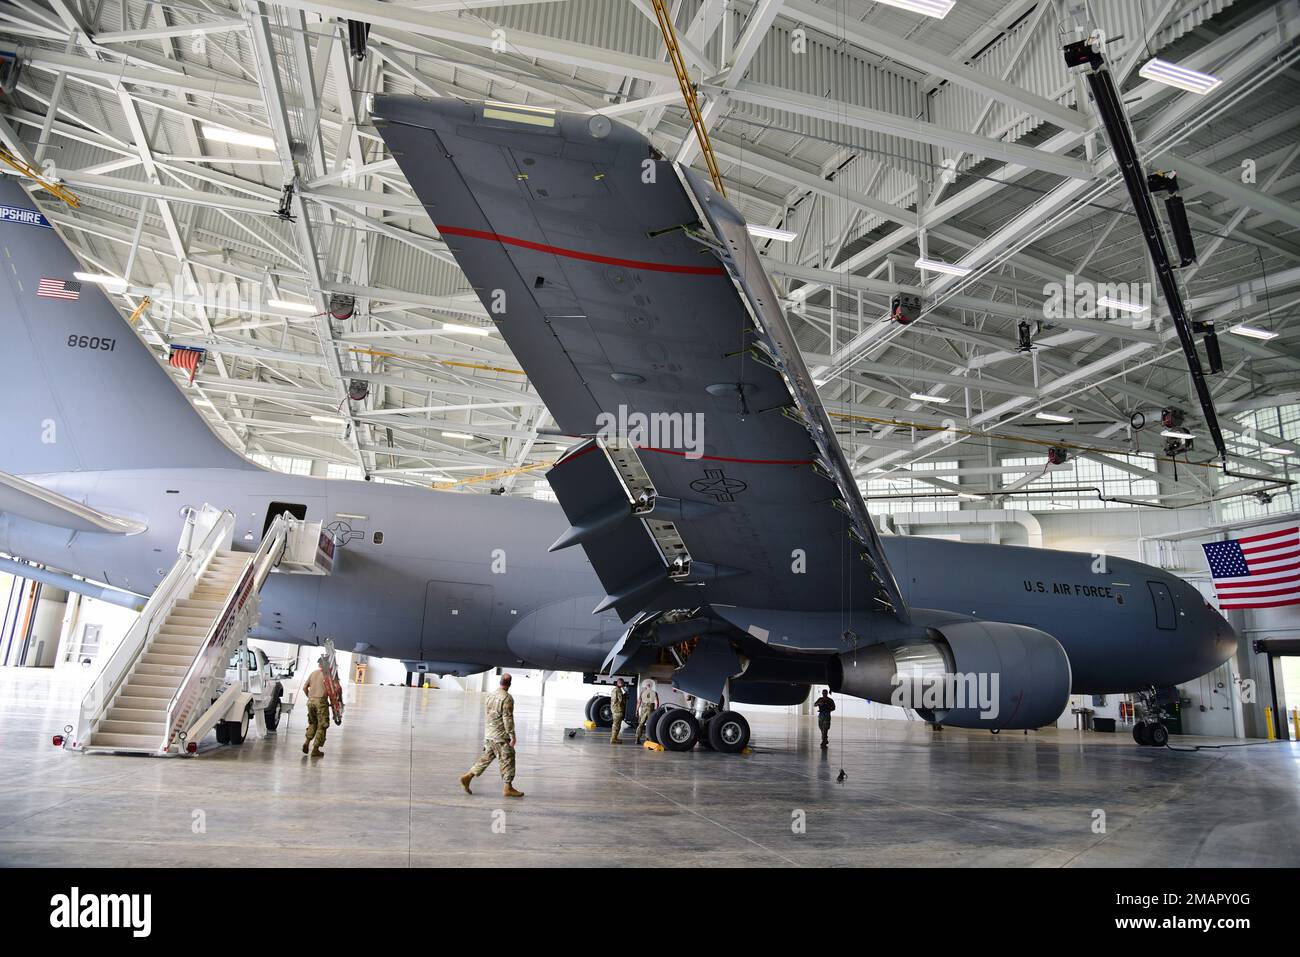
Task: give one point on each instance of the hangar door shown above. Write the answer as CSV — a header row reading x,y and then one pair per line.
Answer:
x,y
455,613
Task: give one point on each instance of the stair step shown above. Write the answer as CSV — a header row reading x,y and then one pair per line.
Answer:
x,y
159,658
130,702
138,742
135,689
184,631
149,668
111,725
156,715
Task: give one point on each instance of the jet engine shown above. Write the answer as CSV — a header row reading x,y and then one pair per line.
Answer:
x,y
967,674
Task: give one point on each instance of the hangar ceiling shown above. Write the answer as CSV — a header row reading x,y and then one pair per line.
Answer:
x,y
874,134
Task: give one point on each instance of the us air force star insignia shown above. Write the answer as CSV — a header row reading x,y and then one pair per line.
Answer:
x,y
716,485
342,533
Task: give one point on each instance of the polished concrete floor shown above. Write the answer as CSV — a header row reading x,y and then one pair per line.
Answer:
x,y
385,794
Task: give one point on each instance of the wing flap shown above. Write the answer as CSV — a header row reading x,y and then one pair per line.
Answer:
x,y
28,500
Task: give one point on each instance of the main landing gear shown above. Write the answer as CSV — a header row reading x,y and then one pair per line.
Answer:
x,y
1149,729
677,728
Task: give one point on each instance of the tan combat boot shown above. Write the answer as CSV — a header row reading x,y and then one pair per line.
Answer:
x,y
305,745
510,792
465,779
317,753
615,740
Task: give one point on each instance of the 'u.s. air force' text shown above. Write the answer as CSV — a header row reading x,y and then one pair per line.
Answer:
x,y
1067,588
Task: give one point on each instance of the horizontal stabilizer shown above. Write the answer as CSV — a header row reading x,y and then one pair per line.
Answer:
x,y
28,500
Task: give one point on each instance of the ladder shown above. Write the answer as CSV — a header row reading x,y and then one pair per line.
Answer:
x,y
164,686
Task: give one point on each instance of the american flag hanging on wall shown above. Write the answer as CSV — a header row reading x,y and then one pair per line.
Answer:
x,y
1259,571
49,288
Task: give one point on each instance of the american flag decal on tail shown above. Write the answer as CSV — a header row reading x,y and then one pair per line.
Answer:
x,y
58,288
1259,571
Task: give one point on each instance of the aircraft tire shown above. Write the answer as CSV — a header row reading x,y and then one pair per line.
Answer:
x,y
653,724
1159,736
602,713
1142,733
591,703
729,732
678,730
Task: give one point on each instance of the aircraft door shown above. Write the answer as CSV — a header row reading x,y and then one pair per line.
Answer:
x,y
1166,614
456,615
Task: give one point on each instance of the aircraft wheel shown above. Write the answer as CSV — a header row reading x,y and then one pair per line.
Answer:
x,y
602,712
1142,733
591,703
678,730
237,731
729,732
1159,735
652,725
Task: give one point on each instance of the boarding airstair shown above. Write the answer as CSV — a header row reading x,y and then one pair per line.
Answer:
x,y
165,685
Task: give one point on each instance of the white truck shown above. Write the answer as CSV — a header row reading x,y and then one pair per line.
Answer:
x,y
260,693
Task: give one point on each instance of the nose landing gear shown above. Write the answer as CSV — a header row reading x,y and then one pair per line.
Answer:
x,y
1149,729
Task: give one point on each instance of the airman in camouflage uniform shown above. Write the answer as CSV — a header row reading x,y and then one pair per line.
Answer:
x,y
499,710
317,689
617,704
646,704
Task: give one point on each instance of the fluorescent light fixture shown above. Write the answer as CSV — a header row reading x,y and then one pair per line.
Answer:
x,y
1278,450
462,329
933,265
101,279
922,397
771,232
291,306
929,8
328,419
519,113
1177,434
457,435
1053,417
1171,74
968,496
222,135
1108,303
1252,332
352,515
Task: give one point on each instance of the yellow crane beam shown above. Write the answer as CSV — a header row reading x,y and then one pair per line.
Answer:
x,y
29,171
688,92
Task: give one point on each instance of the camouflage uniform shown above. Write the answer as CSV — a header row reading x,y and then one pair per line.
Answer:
x,y
318,708
824,706
617,704
646,708
499,710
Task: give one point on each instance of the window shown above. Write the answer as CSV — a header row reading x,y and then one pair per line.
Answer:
x,y
542,492
377,538
352,473
928,498
283,463
1070,486
1282,422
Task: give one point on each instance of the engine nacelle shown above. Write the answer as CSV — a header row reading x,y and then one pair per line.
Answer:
x,y
967,674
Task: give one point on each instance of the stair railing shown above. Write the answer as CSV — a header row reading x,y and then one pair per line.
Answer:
x,y
229,623
211,528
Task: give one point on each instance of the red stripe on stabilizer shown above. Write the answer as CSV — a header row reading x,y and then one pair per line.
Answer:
x,y
728,458
578,254
1267,535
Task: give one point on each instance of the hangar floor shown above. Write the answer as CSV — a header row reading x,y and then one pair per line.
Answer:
x,y
385,794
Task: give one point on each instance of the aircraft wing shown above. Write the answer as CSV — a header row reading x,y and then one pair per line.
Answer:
x,y
629,291
38,504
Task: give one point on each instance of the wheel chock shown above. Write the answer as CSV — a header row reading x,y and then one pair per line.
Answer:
x,y
589,725
746,750
651,746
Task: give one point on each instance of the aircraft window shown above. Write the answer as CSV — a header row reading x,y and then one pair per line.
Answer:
x,y
1166,617
378,538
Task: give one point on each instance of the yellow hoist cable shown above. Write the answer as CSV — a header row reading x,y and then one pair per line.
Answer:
x,y
26,169
493,476
688,93
437,361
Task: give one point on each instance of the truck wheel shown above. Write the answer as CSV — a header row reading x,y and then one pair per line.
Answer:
x,y
223,736
678,730
729,732
272,714
237,731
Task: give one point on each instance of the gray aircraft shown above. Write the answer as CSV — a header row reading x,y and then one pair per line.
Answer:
x,y
737,554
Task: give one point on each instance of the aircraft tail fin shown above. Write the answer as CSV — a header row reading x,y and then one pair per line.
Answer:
x,y
82,391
